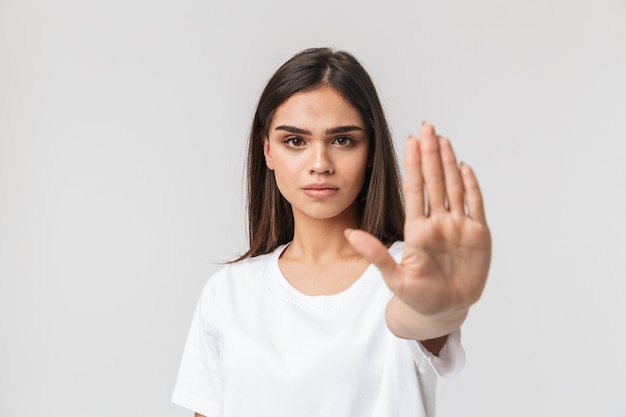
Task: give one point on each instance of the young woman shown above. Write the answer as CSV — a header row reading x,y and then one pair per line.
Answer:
x,y
347,303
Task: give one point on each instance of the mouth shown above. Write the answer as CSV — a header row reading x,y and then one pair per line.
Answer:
x,y
320,190
321,186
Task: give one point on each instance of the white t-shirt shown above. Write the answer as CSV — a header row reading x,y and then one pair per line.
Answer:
x,y
258,347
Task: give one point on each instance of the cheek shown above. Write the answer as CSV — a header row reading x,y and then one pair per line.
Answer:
x,y
284,166
359,169
287,170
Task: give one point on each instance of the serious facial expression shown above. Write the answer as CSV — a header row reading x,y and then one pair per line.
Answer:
x,y
317,146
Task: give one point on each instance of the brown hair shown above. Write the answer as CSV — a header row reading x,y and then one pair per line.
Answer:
x,y
380,205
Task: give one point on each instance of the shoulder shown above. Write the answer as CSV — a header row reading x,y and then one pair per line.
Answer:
x,y
253,265
247,273
234,287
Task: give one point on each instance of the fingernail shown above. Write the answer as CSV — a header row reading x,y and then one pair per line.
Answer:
x,y
348,232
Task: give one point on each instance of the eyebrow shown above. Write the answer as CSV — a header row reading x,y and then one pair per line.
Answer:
x,y
331,131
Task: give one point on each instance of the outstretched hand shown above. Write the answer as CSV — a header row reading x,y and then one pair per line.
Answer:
x,y
447,244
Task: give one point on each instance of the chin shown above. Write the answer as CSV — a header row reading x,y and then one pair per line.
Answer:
x,y
343,215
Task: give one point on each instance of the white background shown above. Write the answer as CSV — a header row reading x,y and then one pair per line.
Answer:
x,y
122,140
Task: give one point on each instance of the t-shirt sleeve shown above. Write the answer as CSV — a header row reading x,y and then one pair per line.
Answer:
x,y
450,361
199,386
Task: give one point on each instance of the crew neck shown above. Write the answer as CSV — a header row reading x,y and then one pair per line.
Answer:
x,y
320,304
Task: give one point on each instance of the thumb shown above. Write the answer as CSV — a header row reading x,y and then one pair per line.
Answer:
x,y
373,250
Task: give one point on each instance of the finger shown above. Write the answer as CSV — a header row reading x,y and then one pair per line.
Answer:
x,y
431,168
372,249
413,182
454,183
473,195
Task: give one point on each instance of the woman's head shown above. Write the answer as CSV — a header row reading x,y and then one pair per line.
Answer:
x,y
379,205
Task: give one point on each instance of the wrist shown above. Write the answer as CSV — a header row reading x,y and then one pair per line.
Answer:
x,y
406,323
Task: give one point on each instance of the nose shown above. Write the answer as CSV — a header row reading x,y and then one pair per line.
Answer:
x,y
321,162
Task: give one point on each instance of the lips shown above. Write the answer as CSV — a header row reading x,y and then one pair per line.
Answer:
x,y
320,186
320,190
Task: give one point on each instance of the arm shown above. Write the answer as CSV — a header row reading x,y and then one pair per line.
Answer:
x,y
198,415
447,247
434,346
401,319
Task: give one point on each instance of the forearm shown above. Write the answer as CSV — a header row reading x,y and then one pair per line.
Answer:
x,y
405,323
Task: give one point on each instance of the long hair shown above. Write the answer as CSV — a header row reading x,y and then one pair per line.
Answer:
x,y
380,203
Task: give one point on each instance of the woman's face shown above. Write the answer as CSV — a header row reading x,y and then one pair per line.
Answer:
x,y
317,146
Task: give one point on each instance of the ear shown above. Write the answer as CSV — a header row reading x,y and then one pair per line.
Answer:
x,y
266,152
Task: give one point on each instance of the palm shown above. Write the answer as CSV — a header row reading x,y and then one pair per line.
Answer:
x,y
444,263
447,245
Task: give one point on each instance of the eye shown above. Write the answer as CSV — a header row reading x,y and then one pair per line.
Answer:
x,y
294,142
343,141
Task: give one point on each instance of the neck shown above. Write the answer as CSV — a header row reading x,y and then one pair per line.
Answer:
x,y
317,240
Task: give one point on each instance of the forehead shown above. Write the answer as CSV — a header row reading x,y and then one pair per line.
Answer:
x,y
322,107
